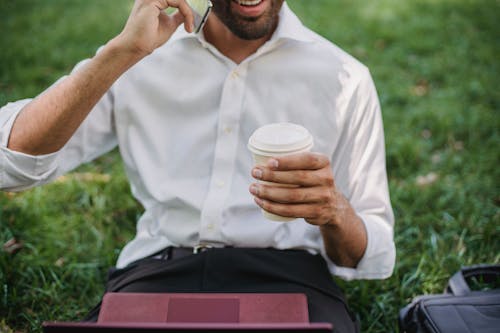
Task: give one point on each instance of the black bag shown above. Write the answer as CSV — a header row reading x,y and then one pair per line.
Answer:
x,y
459,309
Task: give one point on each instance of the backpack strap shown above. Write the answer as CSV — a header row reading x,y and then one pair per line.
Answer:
x,y
458,285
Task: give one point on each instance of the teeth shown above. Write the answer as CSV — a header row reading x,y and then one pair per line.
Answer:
x,y
248,2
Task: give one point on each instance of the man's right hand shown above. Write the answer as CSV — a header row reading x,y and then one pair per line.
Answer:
x,y
149,27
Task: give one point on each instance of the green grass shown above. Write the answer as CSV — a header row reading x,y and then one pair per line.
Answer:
x,y
435,63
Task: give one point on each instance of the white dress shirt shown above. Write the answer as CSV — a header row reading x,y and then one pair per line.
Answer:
x,y
182,118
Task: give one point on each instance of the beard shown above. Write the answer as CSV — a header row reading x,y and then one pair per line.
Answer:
x,y
248,28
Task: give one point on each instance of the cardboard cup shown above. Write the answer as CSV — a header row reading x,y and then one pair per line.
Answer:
x,y
277,140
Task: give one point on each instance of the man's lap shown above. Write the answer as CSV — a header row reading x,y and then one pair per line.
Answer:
x,y
241,270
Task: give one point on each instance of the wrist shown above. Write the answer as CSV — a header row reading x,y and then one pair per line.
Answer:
x,y
338,210
120,48
112,61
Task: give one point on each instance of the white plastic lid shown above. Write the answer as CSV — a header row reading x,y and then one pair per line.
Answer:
x,y
280,138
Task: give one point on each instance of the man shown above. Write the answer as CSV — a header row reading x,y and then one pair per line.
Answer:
x,y
181,108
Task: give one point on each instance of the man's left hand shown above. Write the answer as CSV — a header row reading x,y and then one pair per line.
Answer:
x,y
310,193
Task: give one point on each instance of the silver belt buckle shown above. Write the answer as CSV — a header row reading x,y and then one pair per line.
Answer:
x,y
201,247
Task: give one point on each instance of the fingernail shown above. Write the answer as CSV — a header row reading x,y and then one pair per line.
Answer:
x,y
258,201
272,163
257,173
254,189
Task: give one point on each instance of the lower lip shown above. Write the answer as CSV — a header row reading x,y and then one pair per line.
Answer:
x,y
250,11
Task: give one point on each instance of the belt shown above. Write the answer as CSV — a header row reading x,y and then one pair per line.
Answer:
x,y
171,252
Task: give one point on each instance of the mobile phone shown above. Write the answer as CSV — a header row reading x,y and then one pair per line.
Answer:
x,y
201,9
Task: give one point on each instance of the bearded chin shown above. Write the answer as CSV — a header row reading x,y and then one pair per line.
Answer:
x,y
246,28
250,29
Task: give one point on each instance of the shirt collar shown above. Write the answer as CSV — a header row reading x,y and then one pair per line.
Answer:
x,y
289,27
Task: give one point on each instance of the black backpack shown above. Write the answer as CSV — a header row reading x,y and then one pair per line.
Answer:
x,y
459,309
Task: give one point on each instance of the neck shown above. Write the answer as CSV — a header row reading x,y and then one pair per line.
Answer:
x,y
230,45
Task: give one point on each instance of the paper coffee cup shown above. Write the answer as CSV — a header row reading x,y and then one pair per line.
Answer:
x,y
277,140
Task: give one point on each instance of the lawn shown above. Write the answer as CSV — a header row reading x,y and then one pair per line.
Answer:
x,y
435,64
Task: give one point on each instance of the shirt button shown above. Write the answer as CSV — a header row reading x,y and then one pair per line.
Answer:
x,y
210,227
235,75
228,130
220,183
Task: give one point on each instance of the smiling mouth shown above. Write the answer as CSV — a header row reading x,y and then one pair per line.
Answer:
x,y
248,3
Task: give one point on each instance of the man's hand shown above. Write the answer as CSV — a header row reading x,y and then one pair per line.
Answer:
x,y
308,191
313,197
149,27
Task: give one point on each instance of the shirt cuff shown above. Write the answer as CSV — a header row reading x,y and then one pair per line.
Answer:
x,y
19,171
379,257
8,115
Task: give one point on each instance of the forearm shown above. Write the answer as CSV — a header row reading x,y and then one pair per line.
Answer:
x,y
344,236
49,121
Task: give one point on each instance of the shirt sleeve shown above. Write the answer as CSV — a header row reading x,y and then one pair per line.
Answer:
x,y
94,137
360,173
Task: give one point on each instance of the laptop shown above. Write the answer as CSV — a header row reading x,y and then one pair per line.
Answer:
x,y
197,312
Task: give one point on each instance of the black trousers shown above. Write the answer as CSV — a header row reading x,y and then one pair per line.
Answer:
x,y
240,270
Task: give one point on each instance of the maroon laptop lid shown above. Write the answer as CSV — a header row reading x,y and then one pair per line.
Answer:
x,y
136,312
204,308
